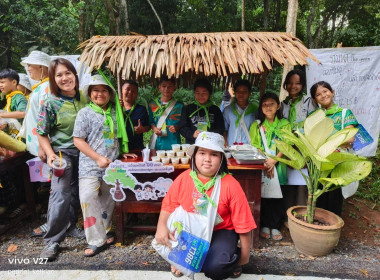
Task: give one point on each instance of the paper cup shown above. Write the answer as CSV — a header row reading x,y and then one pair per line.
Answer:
x,y
155,159
175,160
176,147
185,147
180,154
160,153
184,160
59,170
165,160
170,154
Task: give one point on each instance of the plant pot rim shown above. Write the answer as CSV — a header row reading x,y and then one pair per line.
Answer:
x,y
339,224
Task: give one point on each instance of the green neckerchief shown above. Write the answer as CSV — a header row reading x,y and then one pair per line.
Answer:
x,y
333,110
108,121
161,108
251,108
203,188
204,107
121,130
272,129
292,112
128,118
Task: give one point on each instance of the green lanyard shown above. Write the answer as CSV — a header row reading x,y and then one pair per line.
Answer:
x,y
292,112
161,108
128,118
204,107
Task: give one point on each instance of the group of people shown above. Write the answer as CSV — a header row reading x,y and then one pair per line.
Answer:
x,y
90,128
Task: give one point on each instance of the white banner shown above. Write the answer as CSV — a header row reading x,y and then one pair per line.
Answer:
x,y
354,74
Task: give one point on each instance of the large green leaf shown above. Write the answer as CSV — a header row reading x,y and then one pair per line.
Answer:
x,y
292,138
338,157
351,171
334,141
325,164
296,159
336,181
318,128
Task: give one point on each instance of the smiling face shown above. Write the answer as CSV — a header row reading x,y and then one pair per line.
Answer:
x,y
202,95
294,86
324,97
207,162
7,85
100,95
37,72
166,88
270,108
241,95
129,93
65,80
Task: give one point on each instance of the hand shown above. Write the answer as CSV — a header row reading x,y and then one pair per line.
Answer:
x,y
139,128
196,133
132,155
163,236
121,102
51,158
3,126
157,131
103,162
172,128
42,154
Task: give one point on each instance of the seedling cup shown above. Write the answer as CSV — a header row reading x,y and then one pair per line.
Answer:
x,y
176,147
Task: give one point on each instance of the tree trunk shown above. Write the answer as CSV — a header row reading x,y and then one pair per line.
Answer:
x,y
278,16
266,14
291,20
124,11
158,18
242,15
310,19
111,17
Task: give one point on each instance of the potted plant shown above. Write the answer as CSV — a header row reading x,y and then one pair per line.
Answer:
x,y
328,170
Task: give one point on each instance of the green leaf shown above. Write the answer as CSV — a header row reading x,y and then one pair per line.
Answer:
x,y
296,159
318,128
334,141
338,157
336,181
351,171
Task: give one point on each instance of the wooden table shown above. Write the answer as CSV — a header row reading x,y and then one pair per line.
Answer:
x,y
17,165
249,176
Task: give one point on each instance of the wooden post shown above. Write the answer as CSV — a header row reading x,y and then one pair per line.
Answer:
x,y
263,81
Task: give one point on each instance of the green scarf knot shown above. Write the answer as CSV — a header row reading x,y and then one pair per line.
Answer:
x,y
251,108
128,118
292,112
204,107
108,122
333,110
161,108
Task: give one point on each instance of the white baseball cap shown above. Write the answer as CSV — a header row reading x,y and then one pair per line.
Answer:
x,y
24,81
208,140
36,58
97,80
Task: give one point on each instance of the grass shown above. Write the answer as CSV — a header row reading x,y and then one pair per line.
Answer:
x,y
369,188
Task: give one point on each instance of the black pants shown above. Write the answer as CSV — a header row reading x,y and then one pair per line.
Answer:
x,y
223,256
271,212
331,201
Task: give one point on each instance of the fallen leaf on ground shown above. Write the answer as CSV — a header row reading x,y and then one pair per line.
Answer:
x,y
366,218
110,257
365,272
285,243
119,245
12,248
302,256
145,263
312,258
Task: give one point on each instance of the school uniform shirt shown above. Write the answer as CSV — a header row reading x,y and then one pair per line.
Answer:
x,y
56,119
89,126
136,141
335,113
18,102
173,118
303,106
233,210
236,133
37,98
188,125
257,142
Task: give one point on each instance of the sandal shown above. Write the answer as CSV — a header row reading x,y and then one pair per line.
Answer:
x,y
265,233
17,212
276,234
42,230
237,272
95,250
174,272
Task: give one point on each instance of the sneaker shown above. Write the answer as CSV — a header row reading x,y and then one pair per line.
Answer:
x,y
76,232
50,252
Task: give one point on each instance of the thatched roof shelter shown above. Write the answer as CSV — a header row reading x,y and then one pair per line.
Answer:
x,y
190,55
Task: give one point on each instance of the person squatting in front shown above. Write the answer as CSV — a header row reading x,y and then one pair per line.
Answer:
x,y
192,190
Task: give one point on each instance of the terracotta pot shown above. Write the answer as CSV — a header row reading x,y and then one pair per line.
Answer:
x,y
314,240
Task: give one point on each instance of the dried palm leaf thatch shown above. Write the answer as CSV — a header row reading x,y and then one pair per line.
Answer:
x,y
214,55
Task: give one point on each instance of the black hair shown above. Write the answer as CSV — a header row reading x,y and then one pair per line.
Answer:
x,y
314,87
269,95
138,187
223,167
131,82
298,72
203,82
9,74
110,90
245,83
148,186
166,79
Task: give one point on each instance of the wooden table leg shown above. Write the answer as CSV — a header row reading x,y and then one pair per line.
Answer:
x,y
119,222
